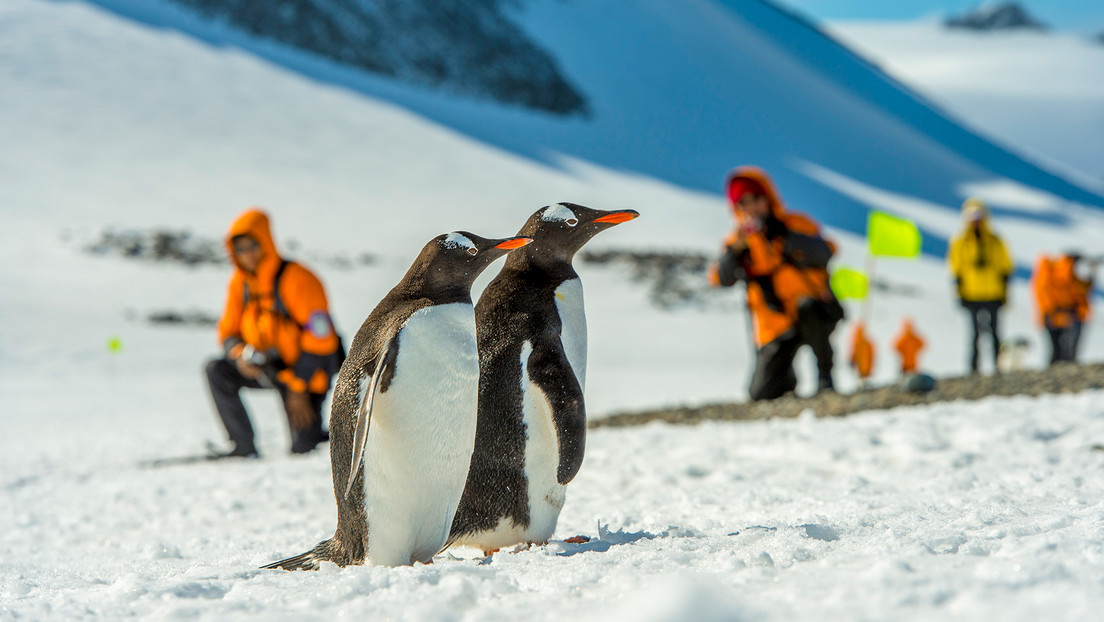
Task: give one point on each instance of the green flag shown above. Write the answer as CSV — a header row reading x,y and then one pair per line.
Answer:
x,y
890,236
848,284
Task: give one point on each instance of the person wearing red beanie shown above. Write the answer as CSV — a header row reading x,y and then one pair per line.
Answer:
x,y
783,258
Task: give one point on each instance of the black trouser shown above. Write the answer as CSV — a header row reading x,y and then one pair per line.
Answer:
x,y
1064,341
983,316
226,381
774,373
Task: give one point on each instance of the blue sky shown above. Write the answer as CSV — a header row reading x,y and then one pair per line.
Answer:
x,y
1074,15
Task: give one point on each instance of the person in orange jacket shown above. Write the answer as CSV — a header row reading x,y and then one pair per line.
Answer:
x,y
1062,301
862,352
908,345
276,333
783,258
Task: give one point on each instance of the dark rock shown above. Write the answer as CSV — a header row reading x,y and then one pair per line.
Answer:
x,y
1060,378
192,317
181,247
1004,16
678,278
469,47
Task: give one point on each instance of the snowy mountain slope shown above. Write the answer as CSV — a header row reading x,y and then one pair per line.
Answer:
x,y
460,47
684,92
127,126
1043,94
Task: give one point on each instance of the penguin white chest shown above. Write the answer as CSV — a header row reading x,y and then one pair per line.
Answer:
x,y
542,457
573,332
421,436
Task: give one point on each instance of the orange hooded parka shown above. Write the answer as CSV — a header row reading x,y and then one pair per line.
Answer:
x,y
1060,296
293,329
775,285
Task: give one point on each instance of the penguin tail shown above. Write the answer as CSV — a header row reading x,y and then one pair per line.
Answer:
x,y
311,560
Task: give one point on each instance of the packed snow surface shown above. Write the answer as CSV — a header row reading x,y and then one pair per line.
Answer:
x,y
989,510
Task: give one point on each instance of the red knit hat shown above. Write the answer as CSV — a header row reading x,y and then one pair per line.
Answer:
x,y
739,186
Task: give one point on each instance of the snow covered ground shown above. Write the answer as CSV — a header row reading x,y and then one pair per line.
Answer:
x,y
957,511
950,511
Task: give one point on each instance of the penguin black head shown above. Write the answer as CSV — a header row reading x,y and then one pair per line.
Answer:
x,y
451,262
561,229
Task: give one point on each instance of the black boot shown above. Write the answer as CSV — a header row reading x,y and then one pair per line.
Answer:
x,y
240,450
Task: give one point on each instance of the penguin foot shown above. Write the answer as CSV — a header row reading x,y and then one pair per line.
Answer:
x,y
489,552
577,540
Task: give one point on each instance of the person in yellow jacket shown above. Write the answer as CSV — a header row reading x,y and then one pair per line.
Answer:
x,y
1062,299
276,333
981,266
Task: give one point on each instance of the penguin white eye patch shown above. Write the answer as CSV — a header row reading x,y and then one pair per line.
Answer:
x,y
560,212
458,240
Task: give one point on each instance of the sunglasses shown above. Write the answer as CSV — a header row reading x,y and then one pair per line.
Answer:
x,y
245,246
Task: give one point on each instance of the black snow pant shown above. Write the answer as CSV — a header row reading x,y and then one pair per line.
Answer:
x,y
226,381
983,317
774,372
1064,342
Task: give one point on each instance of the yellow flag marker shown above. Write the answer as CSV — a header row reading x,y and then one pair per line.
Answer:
x,y
848,284
890,236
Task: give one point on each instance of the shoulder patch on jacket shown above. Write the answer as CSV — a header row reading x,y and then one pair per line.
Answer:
x,y
319,325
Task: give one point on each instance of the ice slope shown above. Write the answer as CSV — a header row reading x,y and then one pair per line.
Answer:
x,y
683,91
119,124
1041,93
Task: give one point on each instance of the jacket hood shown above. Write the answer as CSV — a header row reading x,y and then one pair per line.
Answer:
x,y
254,223
975,208
759,176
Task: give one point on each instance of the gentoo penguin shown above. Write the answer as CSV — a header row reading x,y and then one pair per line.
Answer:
x,y
532,358
403,415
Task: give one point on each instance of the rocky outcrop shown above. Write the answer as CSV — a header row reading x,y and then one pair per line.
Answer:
x,y
1005,16
469,47
1061,378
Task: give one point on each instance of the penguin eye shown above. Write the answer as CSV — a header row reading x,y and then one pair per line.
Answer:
x,y
473,251
571,222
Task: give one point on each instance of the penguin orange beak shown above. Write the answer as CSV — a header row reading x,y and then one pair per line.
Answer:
x,y
616,218
513,243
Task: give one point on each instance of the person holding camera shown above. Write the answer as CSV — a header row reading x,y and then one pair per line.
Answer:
x,y
276,334
783,258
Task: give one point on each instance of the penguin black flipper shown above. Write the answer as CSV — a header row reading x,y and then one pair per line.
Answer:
x,y
384,367
551,371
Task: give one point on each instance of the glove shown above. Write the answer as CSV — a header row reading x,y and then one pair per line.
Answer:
x,y
250,362
299,410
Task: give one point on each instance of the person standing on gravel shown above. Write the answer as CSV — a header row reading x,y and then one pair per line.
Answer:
x,y
1062,300
276,333
981,266
783,258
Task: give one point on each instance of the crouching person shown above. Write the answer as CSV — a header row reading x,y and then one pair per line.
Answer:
x,y
276,334
783,259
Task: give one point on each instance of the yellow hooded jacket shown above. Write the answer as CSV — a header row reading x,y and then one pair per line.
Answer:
x,y
979,260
